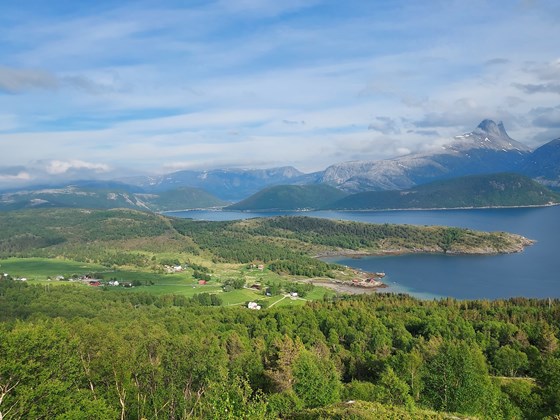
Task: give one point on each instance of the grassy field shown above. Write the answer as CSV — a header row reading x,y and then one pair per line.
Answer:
x,y
41,269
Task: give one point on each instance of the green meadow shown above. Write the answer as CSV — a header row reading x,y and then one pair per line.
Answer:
x,y
40,270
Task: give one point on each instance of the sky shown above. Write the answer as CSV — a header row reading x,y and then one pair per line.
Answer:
x,y
105,88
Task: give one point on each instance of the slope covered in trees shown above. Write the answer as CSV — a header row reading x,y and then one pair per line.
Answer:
x,y
70,352
132,238
290,197
495,190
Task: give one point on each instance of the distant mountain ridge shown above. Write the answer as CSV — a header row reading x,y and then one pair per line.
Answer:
x,y
473,191
544,164
98,198
227,184
487,149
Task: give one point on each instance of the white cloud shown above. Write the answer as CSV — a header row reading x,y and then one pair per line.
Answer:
x,y
57,167
20,176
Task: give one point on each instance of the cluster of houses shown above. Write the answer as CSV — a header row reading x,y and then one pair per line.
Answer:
x,y
257,286
170,269
91,281
7,276
83,279
112,283
97,283
369,282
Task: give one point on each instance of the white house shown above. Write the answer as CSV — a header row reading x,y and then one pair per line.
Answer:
x,y
254,306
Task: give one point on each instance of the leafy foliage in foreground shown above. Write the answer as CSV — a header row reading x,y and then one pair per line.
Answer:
x,y
69,350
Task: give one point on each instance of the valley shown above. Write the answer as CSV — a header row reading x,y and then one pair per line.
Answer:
x,y
279,210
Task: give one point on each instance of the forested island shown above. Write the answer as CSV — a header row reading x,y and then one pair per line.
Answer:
x,y
181,342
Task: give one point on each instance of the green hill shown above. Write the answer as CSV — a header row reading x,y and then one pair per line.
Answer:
x,y
290,197
181,199
495,190
285,243
100,198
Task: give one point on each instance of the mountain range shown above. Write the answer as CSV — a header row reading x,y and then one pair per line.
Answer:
x,y
485,150
472,191
227,184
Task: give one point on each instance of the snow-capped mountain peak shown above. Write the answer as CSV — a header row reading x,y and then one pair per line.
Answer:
x,y
488,148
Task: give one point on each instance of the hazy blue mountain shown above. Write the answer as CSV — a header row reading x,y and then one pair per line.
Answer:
x,y
544,164
494,190
290,197
101,198
487,149
227,184
93,184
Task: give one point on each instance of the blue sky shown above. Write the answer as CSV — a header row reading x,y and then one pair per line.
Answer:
x,y
111,87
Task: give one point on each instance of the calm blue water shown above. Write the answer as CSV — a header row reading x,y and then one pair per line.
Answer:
x,y
532,273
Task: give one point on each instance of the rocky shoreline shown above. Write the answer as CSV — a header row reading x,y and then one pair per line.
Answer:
x,y
516,244
364,282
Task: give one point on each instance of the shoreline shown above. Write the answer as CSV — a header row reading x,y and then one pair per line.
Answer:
x,y
398,252
224,209
526,206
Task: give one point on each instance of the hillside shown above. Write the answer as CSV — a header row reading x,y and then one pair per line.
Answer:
x,y
287,244
496,190
290,197
100,198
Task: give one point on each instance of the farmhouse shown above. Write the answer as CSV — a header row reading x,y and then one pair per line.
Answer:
x,y
254,306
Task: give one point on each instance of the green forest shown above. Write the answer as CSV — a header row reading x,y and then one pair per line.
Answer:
x,y
71,351
75,353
